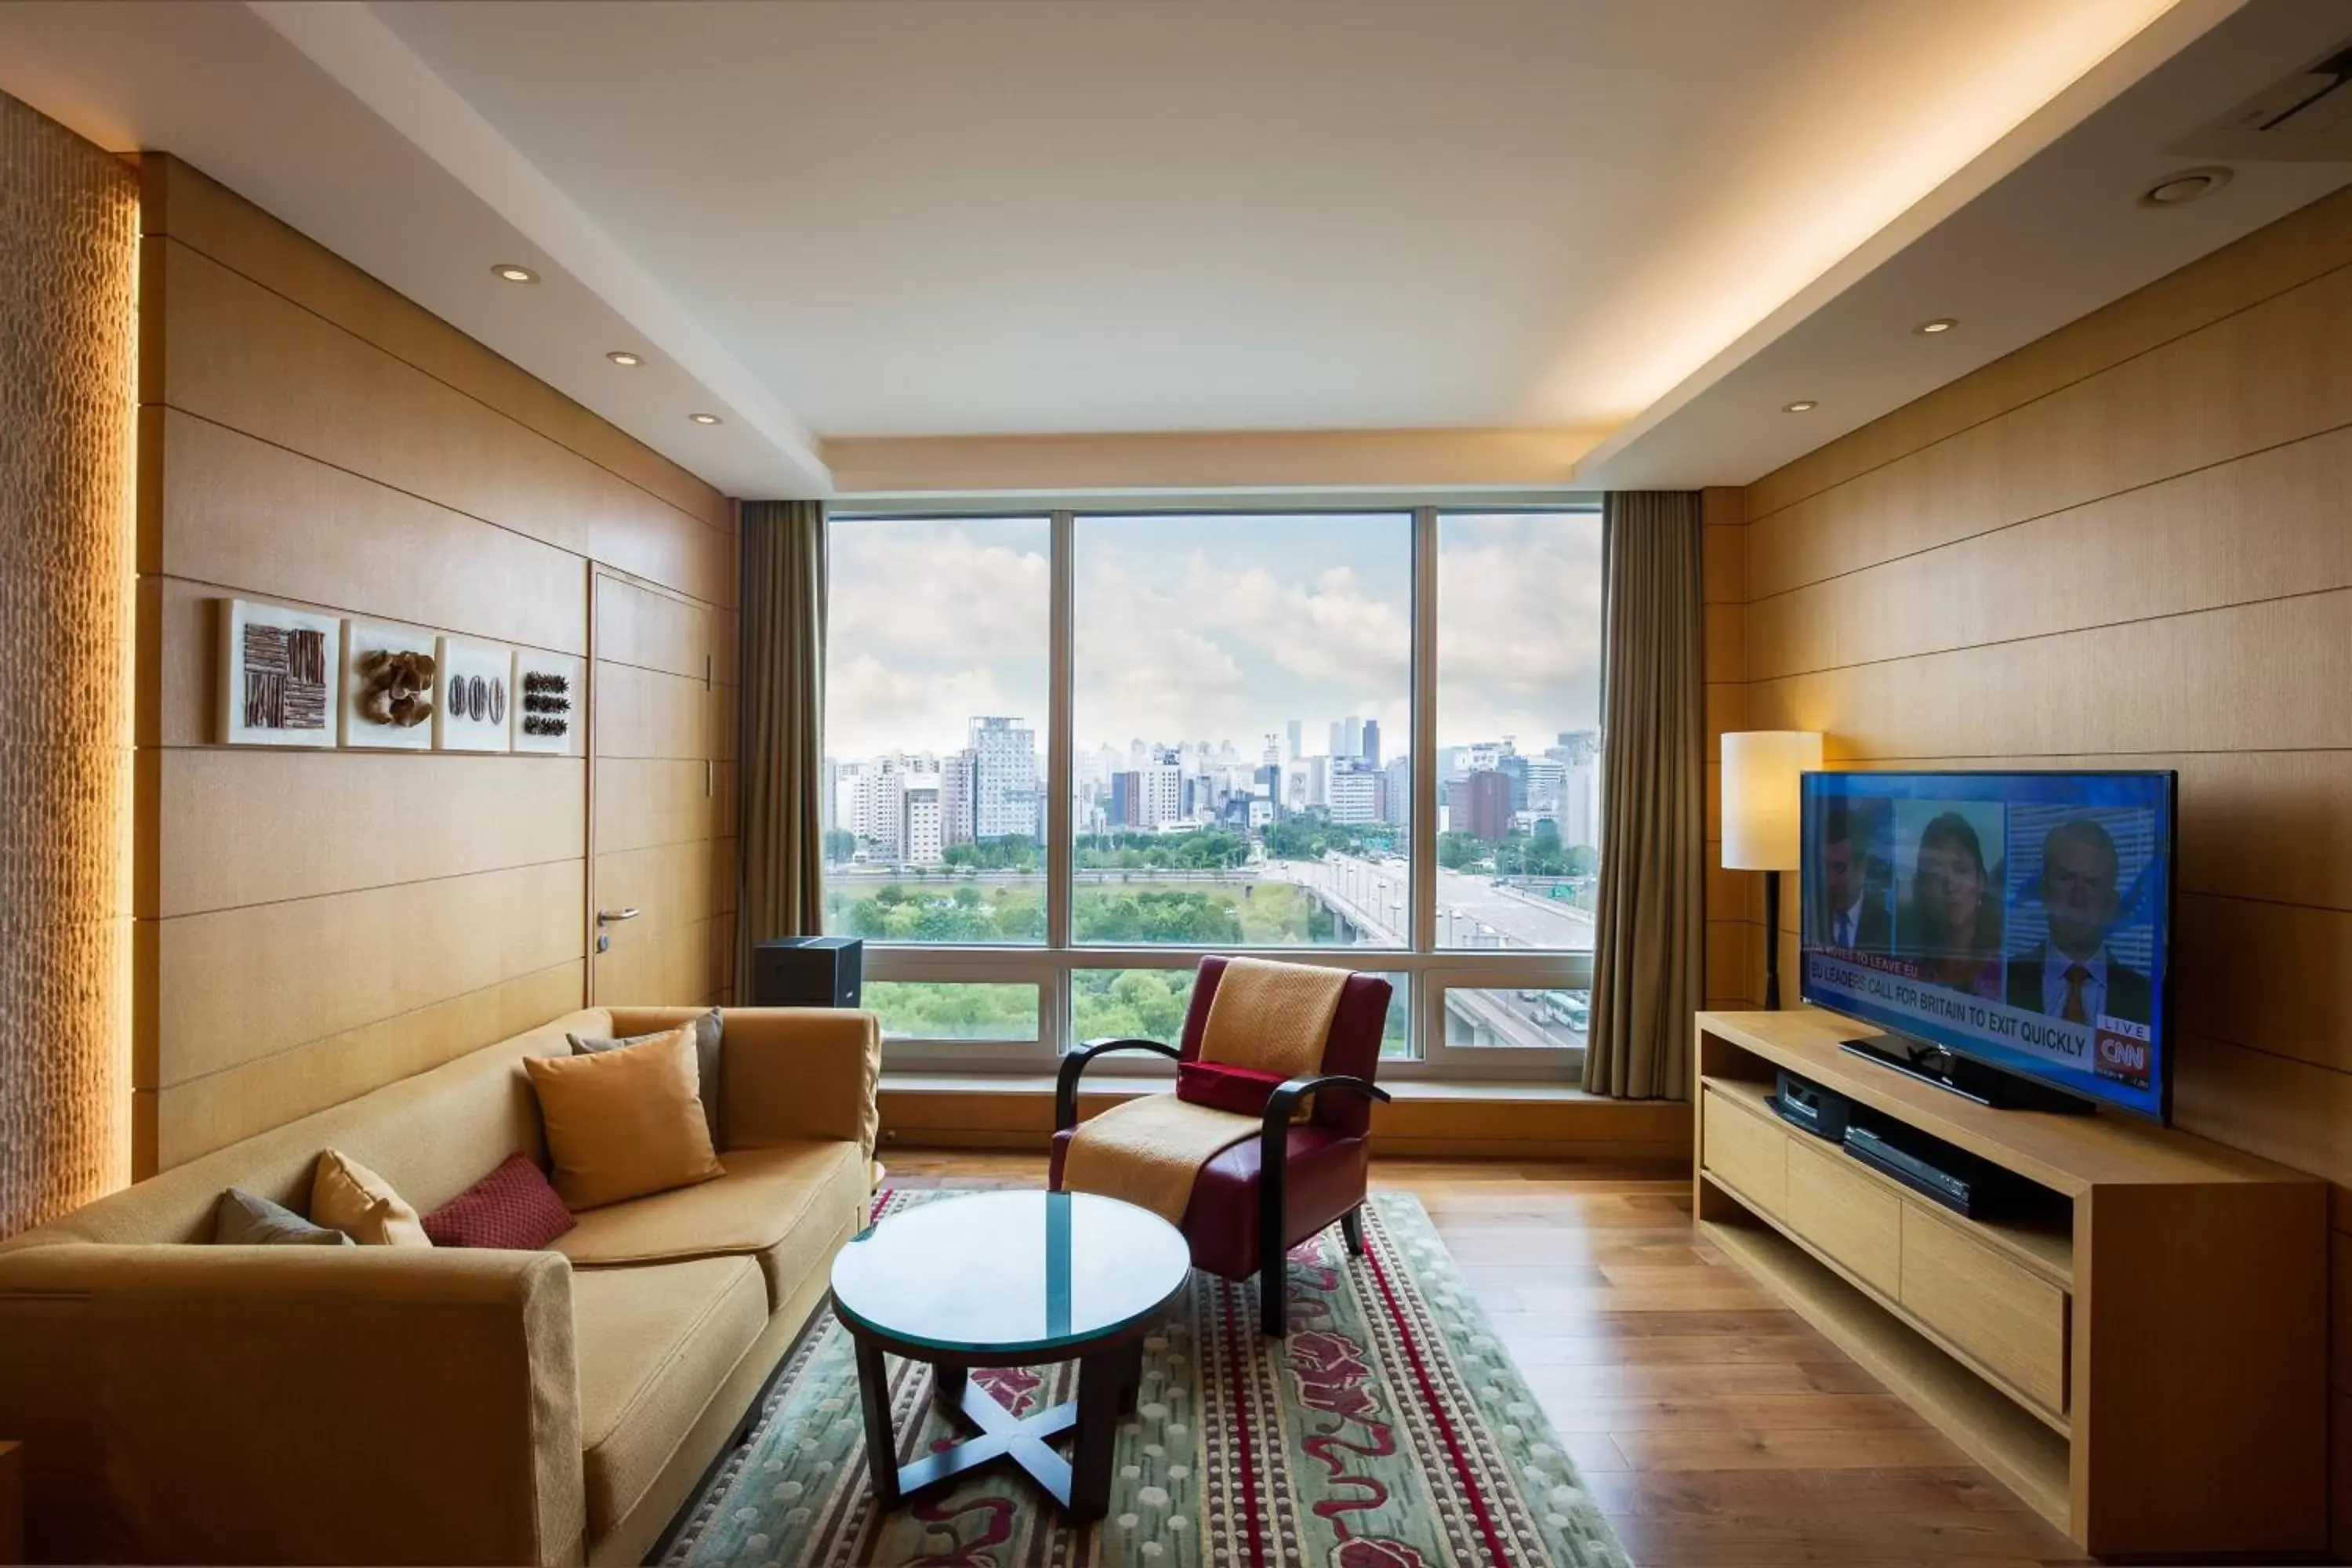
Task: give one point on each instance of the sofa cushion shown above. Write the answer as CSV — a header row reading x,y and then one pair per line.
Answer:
x,y
782,1206
654,1345
244,1220
512,1207
626,1122
709,1030
353,1199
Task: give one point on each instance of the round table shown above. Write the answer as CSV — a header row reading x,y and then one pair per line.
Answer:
x,y
1009,1279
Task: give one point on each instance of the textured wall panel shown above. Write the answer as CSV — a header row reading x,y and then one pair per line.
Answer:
x,y
68,236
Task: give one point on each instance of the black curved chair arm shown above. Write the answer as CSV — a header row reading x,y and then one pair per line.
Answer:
x,y
1066,1085
1273,1182
1285,1100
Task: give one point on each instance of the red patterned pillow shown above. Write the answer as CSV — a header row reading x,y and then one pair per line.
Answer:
x,y
1224,1087
512,1207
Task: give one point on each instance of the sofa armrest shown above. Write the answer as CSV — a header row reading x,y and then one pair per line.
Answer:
x,y
293,1405
800,1072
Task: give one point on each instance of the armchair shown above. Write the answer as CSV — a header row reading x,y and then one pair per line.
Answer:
x,y
1259,1197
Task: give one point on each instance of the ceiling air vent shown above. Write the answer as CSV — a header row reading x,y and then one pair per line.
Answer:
x,y
2305,118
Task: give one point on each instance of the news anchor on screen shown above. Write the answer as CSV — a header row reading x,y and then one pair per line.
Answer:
x,y
1951,927
2073,975
1852,913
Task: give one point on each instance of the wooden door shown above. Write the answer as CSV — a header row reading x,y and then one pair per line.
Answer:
x,y
661,796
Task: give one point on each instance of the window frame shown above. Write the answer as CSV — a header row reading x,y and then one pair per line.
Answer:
x,y
1433,971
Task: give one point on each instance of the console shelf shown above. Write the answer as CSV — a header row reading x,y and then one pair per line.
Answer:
x,y
2137,1347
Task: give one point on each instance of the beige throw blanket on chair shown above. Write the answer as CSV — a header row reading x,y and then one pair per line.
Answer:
x,y
1271,1017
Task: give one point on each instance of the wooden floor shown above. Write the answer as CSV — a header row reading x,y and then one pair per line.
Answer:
x,y
1715,1428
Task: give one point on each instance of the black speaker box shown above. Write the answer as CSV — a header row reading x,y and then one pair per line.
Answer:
x,y
808,971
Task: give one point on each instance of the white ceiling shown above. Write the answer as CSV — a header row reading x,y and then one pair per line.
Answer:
x,y
1648,226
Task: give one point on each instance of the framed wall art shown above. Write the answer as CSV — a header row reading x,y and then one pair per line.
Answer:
x,y
475,681
389,689
281,670
548,703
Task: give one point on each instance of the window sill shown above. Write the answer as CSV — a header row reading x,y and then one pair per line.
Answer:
x,y
1113,1085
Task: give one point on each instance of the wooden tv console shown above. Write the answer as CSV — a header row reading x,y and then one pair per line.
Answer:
x,y
2139,1349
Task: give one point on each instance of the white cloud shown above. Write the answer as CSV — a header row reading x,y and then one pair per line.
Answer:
x,y
1519,627
975,590
871,707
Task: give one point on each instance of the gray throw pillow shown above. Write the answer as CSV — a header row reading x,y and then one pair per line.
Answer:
x,y
244,1220
706,1060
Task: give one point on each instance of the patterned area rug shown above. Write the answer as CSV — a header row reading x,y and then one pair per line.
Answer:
x,y
1391,1430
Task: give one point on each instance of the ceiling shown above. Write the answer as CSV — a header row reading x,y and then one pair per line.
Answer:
x,y
894,244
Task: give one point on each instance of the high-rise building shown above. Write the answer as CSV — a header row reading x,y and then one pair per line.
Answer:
x,y
1480,805
1396,802
1160,794
1370,748
919,829
957,822
1354,795
1004,778
1123,808
1291,733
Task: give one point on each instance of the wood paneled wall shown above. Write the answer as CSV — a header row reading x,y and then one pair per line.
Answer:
x,y
312,924
68,236
2128,544
1735,899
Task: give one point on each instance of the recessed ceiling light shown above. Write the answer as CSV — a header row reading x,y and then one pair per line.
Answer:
x,y
1940,324
705,418
622,357
2188,185
1802,405
515,274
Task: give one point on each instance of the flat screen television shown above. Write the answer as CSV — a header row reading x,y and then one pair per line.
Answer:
x,y
2017,922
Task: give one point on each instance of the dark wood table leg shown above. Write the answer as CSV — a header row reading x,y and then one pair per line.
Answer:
x,y
948,1386
1102,1380
1131,1382
881,1443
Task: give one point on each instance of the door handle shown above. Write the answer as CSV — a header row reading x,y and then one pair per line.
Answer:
x,y
606,917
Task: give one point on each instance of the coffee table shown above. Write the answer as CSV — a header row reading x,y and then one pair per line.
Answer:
x,y
1009,1279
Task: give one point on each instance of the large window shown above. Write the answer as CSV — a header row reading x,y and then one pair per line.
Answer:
x,y
1069,753
937,695
1234,679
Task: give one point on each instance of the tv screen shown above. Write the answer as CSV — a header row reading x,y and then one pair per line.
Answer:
x,y
2021,920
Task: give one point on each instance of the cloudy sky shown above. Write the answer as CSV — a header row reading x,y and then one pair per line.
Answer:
x,y
1211,628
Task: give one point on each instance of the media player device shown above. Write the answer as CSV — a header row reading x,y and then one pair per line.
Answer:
x,y
1928,1167
1804,1103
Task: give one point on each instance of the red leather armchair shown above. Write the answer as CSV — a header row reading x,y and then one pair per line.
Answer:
x,y
1262,1196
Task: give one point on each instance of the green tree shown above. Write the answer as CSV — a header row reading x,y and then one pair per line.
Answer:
x,y
1461,851
1130,1004
840,844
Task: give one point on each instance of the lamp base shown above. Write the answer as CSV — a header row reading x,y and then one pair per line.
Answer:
x,y
1771,941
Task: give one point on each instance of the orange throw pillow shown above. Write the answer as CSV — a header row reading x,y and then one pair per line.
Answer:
x,y
353,1199
623,1123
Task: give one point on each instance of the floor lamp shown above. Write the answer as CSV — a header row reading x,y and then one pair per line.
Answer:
x,y
1762,774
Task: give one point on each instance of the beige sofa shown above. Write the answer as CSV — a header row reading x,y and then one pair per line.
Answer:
x,y
183,1403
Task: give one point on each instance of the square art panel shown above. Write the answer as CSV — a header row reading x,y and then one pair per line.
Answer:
x,y
548,703
476,682
389,687
281,671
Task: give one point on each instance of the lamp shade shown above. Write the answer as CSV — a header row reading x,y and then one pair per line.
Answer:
x,y
1761,796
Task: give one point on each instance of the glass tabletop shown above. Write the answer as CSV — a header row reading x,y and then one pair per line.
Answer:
x,y
1017,1273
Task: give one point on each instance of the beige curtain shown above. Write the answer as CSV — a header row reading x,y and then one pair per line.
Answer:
x,y
781,767
1647,959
